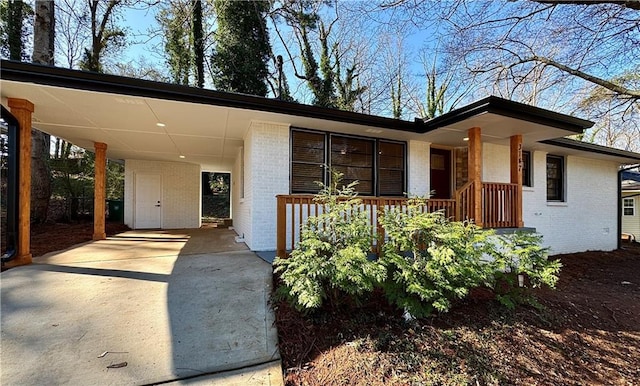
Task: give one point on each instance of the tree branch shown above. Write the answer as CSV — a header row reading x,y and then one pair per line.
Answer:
x,y
629,4
618,89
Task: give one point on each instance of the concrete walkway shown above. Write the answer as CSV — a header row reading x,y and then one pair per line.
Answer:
x,y
163,305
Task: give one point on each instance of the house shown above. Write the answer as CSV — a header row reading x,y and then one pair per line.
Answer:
x,y
631,205
499,163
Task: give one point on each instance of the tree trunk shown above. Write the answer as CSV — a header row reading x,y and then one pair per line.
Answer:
x,y
43,39
14,29
43,32
198,43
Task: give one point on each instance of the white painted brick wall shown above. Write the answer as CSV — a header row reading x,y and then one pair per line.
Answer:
x,y
266,175
587,220
419,169
495,163
180,192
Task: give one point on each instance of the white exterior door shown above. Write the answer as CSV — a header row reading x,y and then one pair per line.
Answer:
x,y
148,208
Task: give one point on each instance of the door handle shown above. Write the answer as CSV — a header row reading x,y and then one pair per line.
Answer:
x,y
158,204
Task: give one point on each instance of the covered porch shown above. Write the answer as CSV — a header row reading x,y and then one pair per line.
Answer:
x,y
483,182
487,204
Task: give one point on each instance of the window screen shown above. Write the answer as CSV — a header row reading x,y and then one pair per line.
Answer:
x,y
555,178
354,158
307,161
391,172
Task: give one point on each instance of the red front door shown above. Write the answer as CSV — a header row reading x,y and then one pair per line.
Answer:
x,y
440,173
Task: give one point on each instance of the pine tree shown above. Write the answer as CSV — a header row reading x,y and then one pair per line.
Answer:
x,y
242,47
14,30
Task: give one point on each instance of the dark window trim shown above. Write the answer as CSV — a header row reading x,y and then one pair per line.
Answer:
x,y
562,193
529,181
327,156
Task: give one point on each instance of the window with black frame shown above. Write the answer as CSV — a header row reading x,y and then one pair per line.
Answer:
x,y
555,178
378,165
354,158
307,161
391,174
526,169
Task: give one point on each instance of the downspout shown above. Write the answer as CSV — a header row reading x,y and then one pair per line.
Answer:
x,y
620,202
12,185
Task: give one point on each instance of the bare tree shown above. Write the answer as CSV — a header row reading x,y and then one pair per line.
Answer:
x,y
43,53
72,31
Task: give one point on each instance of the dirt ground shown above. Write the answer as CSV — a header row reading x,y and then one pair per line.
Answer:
x,y
586,332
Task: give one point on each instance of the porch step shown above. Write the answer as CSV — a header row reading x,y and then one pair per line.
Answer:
x,y
508,231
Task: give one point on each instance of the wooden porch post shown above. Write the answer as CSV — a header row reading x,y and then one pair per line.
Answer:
x,y
475,172
281,227
516,175
22,110
99,192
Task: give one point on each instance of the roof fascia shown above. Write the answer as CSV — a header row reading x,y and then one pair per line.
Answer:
x,y
91,81
592,148
500,106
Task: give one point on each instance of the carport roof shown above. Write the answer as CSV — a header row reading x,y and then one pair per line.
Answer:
x,y
207,127
141,119
91,81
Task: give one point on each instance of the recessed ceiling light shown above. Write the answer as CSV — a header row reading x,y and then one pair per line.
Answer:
x,y
181,156
465,138
160,124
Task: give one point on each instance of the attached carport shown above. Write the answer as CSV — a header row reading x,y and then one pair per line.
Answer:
x,y
151,123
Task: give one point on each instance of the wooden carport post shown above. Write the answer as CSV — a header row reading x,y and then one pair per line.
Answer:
x,y
516,175
475,172
22,110
99,191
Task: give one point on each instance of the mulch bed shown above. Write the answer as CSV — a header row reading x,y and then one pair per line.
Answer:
x,y
50,237
586,332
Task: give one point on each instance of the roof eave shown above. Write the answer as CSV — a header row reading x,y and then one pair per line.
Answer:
x,y
91,81
632,157
496,105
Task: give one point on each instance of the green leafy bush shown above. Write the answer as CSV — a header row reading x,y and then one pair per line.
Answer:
x,y
425,264
330,260
430,260
521,255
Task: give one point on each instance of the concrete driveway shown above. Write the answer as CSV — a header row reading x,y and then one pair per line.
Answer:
x,y
163,305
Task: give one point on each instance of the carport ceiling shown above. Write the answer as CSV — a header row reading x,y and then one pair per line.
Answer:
x,y
136,127
145,128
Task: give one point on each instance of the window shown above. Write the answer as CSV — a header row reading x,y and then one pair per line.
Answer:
x,y
526,169
555,178
628,207
354,158
391,169
307,161
378,165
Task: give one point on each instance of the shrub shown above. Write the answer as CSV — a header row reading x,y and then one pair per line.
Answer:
x,y
521,254
430,260
330,260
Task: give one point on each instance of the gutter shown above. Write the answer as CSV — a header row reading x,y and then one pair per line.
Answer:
x,y
12,186
91,81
